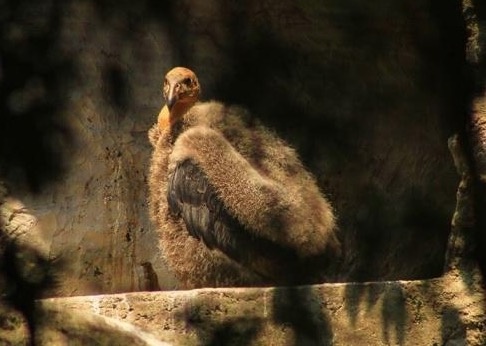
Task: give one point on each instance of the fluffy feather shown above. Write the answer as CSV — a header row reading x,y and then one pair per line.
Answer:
x,y
243,210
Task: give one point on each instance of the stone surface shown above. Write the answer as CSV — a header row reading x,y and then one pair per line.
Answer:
x,y
445,311
67,327
475,18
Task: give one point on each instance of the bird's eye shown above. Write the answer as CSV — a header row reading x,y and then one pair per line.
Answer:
x,y
166,87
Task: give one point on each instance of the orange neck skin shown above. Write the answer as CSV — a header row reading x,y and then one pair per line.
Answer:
x,y
163,119
168,118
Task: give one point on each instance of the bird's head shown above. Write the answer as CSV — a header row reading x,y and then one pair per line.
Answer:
x,y
181,92
181,88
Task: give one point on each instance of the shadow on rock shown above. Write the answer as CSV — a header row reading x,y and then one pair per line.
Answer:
x,y
300,310
34,74
25,275
202,317
392,304
453,331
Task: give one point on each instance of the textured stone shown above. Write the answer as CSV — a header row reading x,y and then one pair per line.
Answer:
x,y
445,311
450,310
475,19
66,327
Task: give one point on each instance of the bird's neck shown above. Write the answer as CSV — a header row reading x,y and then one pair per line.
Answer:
x,y
163,120
169,118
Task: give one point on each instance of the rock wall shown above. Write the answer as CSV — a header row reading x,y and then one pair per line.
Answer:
x,y
367,93
475,17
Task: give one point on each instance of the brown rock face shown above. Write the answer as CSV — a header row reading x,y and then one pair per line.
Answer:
x,y
475,17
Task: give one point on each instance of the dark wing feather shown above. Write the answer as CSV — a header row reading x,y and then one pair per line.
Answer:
x,y
192,197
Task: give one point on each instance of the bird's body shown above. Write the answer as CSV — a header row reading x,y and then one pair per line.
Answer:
x,y
233,203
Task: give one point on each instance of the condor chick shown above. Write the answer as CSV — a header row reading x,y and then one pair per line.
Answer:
x,y
232,202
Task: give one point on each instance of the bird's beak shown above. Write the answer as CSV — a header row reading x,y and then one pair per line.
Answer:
x,y
172,98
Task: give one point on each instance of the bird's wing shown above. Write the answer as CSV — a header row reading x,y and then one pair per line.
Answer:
x,y
191,196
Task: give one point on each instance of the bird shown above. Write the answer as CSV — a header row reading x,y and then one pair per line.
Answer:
x,y
232,202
